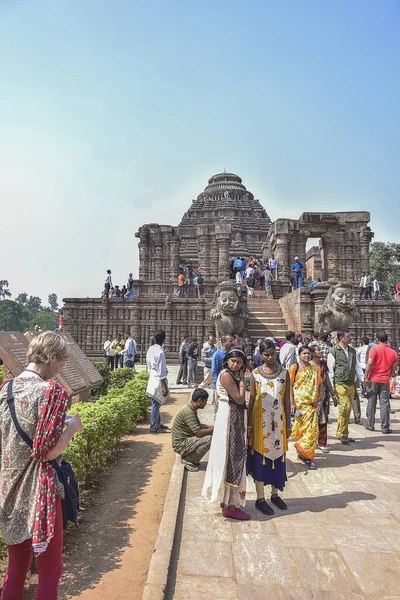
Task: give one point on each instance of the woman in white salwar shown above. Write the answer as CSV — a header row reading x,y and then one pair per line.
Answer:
x,y
225,479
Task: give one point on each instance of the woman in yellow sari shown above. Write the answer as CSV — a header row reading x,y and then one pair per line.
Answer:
x,y
306,391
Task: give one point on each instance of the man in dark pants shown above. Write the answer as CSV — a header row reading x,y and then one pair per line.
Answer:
x,y
381,365
183,361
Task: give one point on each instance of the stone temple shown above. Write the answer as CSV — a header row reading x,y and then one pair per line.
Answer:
x,y
223,222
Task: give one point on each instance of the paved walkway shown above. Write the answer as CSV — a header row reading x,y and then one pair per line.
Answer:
x,y
339,539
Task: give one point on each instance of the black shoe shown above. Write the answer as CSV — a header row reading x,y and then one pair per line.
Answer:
x,y
164,427
387,430
277,500
159,431
179,383
357,422
370,428
264,507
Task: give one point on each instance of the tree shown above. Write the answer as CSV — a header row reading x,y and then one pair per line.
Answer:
x,y
385,266
4,291
13,316
34,303
46,320
22,298
53,302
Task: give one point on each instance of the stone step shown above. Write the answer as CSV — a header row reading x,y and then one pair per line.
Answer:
x,y
272,313
275,322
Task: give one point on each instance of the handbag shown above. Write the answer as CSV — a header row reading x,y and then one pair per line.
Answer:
x,y
65,473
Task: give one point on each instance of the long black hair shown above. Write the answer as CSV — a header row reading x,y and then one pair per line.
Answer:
x,y
234,353
267,345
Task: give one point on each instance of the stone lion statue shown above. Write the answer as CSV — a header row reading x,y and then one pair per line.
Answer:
x,y
228,314
339,308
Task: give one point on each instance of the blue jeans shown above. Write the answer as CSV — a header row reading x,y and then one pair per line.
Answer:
x,y
267,287
299,279
155,419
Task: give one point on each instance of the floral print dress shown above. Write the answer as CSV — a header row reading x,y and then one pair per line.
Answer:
x,y
20,472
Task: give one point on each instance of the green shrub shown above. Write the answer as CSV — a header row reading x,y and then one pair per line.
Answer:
x,y
105,373
105,422
119,377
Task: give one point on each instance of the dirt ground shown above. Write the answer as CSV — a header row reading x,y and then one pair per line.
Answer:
x,y
108,557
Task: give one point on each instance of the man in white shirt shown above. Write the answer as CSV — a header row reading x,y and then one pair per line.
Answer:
x,y
288,354
249,271
344,367
363,285
109,353
157,387
207,351
129,351
362,353
376,287
273,267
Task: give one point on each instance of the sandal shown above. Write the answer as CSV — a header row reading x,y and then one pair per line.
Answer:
x,y
189,466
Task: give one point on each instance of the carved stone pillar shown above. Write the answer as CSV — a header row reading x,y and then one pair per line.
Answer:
x,y
214,257
158,254
174,259
281,255
224,271
204,250
318,295
223,235
330,257
143,235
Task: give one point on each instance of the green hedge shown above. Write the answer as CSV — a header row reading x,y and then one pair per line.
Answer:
x,y
105,422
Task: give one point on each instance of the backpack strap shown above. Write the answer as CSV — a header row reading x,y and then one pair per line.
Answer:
x,y
11,406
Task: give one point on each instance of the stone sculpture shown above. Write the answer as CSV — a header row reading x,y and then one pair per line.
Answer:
x,y
339,308
228,314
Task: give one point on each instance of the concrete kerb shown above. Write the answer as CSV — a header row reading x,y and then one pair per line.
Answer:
x,y
160,562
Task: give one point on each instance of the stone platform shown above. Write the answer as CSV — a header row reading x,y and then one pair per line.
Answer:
x,y
339,539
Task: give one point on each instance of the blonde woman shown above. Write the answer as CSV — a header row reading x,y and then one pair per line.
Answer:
x,y
30,493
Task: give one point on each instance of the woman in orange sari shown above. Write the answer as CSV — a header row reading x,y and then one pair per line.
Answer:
x,y
306,391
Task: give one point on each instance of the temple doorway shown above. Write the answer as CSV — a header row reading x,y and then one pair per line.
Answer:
x,y
315,260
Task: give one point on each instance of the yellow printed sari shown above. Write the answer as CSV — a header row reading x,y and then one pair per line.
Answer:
x,y
306,382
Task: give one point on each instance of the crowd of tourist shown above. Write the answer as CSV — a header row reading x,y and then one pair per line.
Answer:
x,y
120,352
115,291
188,277
267,393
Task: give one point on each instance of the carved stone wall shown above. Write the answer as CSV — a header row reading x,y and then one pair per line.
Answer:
x,y
300,310
90,321
344,243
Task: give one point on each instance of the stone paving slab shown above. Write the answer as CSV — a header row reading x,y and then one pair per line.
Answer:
x,y
339,539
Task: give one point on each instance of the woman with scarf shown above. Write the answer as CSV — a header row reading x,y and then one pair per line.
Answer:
x,y
31,517
269,427
306,391
225,479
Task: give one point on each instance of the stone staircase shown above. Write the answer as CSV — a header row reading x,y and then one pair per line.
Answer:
x,y
265,317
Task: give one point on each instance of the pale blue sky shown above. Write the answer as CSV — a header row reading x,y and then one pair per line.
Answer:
x,y
114,114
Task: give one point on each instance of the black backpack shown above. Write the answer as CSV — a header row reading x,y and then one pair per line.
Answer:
x,y
65,473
